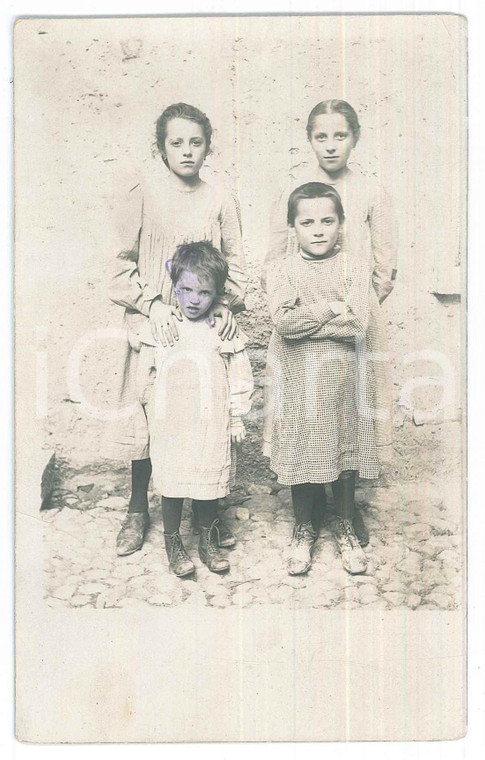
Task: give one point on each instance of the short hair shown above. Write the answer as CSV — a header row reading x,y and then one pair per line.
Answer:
x,y
202,259
335,106
313,190
181,111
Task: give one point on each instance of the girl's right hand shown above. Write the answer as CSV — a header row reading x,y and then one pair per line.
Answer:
x,y
163,322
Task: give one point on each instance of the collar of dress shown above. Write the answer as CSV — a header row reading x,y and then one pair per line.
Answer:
x,y
314,260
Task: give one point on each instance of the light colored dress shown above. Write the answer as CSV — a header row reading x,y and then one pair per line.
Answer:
x,y
320,421
157,217
191,393
368,234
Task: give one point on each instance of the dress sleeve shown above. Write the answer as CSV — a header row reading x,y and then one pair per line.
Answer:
x,y
126,287
277,235
382,239
352,321
292,319
241,383
232,248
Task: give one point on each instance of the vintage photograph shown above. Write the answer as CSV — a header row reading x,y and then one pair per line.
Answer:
x,y
240,314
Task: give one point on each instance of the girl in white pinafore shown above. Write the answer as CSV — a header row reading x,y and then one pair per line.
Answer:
x,y
194,394
172,205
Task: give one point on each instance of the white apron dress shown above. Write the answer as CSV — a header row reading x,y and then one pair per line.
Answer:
x,y
190,392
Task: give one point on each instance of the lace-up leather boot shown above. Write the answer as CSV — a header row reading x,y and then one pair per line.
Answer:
x,y
353,557
132,533
226,538
302,543
360,529
209,549
179,561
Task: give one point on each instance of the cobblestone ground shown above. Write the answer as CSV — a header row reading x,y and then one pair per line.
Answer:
x,y
415,552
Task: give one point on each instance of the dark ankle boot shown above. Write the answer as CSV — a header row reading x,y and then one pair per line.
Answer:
x,y
179,561
226,538
132,533
360,528
209,551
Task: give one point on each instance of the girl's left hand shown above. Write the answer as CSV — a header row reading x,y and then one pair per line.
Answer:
x,y
238,431
228,328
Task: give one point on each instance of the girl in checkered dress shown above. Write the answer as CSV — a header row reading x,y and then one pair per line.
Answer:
x,y
321,429
333,132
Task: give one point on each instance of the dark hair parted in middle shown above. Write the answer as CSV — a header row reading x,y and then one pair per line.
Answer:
x,y
181,111
313,190
335,106
203,260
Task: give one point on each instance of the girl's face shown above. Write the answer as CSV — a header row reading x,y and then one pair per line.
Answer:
x,y
195,294
332,141
185,147
317,226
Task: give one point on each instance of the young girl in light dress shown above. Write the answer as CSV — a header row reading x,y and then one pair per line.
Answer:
x,y
170,206
194,394
319,304
333,131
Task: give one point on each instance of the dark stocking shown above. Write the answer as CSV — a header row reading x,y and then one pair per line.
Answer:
x,y
303,496
206,511
320,495
337,495
141,470
344,494
172,514
319,505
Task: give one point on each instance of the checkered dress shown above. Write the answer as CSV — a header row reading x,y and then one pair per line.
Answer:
x,y
368,232
321,390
